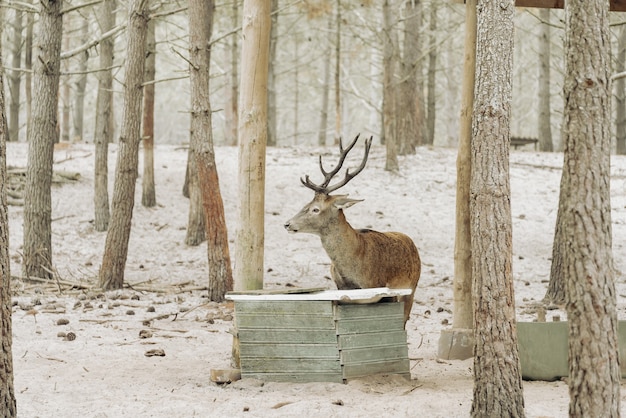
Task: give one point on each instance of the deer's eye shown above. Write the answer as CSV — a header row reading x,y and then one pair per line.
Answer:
x,y
315,210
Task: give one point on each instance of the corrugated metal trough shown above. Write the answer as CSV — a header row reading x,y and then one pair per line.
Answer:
x,y
325,336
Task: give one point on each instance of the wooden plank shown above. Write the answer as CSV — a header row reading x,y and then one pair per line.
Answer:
x,y
335,377
388,367
290,307
269,321
369,295
290,291
271,365
374,354
288,336
367,325
349,341
352,311
289,351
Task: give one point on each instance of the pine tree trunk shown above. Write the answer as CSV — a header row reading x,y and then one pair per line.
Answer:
x,y
433,53
585,213
201,14
14,78
28,65
389,89
148,195
620,94
252,145
323,129
7,390
233,108
545,129
37,197
338,126
410,116
80,86
497,372
102,131
111,275
272,110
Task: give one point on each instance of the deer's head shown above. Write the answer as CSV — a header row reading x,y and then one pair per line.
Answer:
x,y
326,210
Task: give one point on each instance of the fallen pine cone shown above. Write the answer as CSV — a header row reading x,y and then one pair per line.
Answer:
x,y
70,336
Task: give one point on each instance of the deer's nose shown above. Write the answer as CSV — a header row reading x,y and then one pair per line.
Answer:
x,y
287,225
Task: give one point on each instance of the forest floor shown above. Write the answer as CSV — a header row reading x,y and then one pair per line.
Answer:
x,y
104,367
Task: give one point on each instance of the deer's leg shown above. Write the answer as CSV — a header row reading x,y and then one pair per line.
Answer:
x,y
408,304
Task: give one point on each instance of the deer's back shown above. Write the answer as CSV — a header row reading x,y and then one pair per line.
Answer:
x,y
383,259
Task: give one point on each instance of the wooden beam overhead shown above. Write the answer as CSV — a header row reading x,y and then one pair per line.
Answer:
x,y
616,5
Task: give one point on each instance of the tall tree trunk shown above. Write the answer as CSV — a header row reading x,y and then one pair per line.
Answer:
x,y
200,26
233,110
497,373
148,195
545,129
103,132
433,53
323,129
15,77
252,145
585,213
338,126
37,197
28,65
196,229
80,86
389,88
409,115
7,389
66,93
272,111
111,275
620,94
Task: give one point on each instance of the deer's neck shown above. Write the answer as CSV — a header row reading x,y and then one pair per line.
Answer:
x,y
340,240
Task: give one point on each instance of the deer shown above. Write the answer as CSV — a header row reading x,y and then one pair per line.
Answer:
x,y
361,258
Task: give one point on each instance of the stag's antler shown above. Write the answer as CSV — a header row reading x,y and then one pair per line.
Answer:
x,y
324,188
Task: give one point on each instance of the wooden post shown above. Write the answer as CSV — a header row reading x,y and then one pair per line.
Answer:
x,y
457,343
252,144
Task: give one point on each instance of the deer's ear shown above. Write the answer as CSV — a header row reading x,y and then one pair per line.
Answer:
x,y
343,202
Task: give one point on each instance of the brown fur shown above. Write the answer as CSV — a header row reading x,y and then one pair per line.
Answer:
x,y
360,258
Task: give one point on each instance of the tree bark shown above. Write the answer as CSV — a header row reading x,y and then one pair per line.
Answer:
x,y
497,372
545,129
585,213
433,53
102,131
111,275
323,129
338,124
233,108
620,94
28,65
37,197
148,195
252,145
410,116
200,25
272,110
80,86
14,77
7,389
389,89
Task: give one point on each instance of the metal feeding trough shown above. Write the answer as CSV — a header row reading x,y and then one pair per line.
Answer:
x,y
321,336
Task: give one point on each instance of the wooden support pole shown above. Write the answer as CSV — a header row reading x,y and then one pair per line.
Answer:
x,y
458,342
